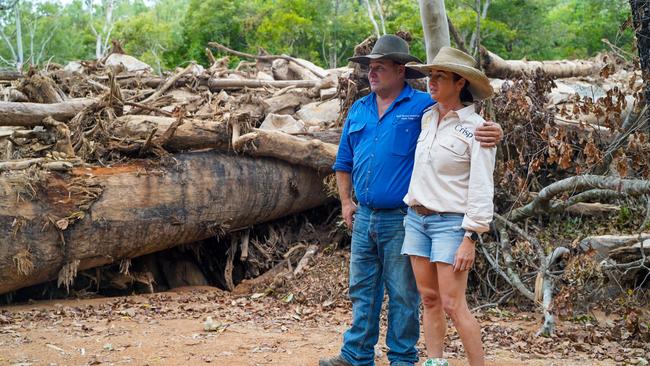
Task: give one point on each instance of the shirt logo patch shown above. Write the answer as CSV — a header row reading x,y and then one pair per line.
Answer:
x,y
463,131
410,117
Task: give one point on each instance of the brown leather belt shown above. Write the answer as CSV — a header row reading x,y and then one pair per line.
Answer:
x,y
423,211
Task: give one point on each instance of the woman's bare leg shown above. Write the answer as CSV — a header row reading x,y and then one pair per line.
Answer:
x,y
452,286
435,323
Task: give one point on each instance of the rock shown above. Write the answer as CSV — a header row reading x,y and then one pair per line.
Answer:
x,y
131,63
282,122
319,113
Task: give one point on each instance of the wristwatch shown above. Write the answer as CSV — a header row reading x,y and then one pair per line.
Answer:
x,y
472,235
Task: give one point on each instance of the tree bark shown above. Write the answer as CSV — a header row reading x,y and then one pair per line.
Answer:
x,y
603,244
313,153
192,134
142,208
10,75
434,25
32,114
496,67
641,19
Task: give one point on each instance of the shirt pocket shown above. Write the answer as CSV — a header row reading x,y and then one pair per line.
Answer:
x,y
458,147
405,137
423,135
355,130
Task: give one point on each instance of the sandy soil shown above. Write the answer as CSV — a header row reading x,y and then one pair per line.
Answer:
x,y
168,329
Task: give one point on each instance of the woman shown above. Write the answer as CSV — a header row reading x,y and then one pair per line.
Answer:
x,y
450,201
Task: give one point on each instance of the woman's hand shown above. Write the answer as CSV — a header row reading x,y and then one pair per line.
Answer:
x,y
465,255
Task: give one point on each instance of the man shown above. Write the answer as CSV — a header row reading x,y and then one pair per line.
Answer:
x,y
375,156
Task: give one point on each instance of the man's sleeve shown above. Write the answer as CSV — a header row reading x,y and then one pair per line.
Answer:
x,y
345,155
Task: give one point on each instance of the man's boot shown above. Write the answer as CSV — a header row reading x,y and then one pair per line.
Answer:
x,y
334,361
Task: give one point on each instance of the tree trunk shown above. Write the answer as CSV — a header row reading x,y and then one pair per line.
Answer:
x,y
10,75
142,208
192,134
641,18
603,244
19,38
217,84
434,25
32,114
496,67
313,153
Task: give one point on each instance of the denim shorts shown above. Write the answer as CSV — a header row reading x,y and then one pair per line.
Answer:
x,y
436,237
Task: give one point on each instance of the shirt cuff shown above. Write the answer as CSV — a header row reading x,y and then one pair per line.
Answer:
x,y
340,167
479,227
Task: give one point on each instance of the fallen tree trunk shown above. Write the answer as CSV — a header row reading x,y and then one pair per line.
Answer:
x,y
496,67
313,153
195,134
603,244
217,84
192,134
9,75
142,208
32,114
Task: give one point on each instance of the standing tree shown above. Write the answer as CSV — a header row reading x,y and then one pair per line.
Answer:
x,y
16,53
434,24
102,38
641,18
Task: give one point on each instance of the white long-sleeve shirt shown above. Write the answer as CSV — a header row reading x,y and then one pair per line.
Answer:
x,y
452,172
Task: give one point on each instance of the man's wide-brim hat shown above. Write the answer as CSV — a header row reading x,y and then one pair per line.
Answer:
x,y
393,48
452,60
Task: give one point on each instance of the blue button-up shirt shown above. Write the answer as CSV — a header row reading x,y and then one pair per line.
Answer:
x,y
379,152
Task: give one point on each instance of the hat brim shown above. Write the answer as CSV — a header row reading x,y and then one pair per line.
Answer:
x,y
398,57
479,84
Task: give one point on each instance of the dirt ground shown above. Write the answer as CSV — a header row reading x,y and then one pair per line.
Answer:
x,y
168,329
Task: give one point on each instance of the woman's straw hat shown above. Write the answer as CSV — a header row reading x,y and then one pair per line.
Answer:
x,y
452,60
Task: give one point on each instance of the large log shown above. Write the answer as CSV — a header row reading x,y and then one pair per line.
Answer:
x,y
143,208
32,114
496,67
10,75
314,153
218,84
192,134
315,150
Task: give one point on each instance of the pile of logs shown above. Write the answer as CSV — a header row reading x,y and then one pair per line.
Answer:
x,y
103,161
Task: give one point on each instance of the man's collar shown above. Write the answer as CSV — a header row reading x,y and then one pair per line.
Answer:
x,y
407,92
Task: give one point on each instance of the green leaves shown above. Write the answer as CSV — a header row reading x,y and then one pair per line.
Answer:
x,y
168,33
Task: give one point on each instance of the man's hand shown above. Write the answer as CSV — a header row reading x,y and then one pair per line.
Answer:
x,y
348,208
489,135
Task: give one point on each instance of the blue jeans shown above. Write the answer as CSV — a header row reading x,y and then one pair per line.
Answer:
x,y
375,263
